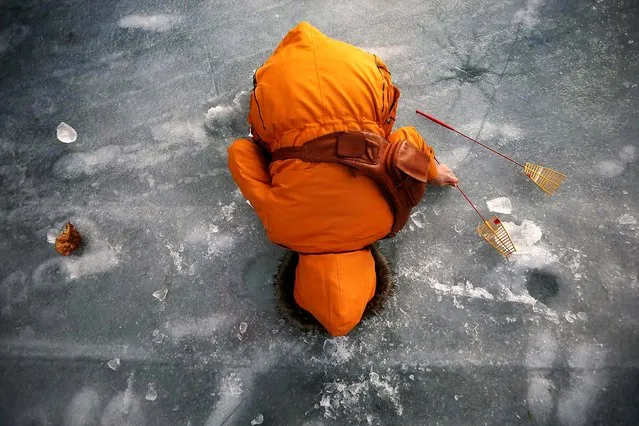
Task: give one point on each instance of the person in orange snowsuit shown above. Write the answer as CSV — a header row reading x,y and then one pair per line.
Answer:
x,y
329,215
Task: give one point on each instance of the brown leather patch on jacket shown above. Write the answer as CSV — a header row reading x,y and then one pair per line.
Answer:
x,y
399,169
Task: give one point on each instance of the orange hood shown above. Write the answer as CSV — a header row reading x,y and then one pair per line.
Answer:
x,y
335,288
313,85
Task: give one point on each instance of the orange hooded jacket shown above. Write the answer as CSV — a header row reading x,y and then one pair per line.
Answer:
x,y
311,86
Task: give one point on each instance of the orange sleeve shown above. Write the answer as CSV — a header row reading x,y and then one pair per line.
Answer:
x,y
249,169
412,135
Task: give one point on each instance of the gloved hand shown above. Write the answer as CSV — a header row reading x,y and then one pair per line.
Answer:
x,y
445,176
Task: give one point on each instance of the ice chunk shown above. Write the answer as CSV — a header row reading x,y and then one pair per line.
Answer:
x,y
570,317
161,294
220,115
66,133
418,219
325,401
114,364
52,234
243,327
151,393
258,420
627,219
500,205
158,337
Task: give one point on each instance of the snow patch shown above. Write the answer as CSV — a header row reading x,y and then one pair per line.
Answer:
x,y
388,52
176,256
353,400
220,114
386,391
627,219
194,327
124,409
525,237
232,115
540,398
174,139
500,205
542,350
156,23
337,350
231,389
610,168
220,245
78,164
463,290
586,380
84,408
502,133
627,153
227,211
96,257
456,156
523,298
528,16
91,263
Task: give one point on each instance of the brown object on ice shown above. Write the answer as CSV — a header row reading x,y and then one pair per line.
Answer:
x,y
68,240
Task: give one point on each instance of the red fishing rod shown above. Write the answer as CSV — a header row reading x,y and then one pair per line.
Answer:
x,y
449,127
545,178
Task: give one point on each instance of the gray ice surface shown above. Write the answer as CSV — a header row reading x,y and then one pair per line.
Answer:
x,y
156,92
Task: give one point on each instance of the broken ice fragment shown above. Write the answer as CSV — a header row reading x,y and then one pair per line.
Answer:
x,y
325,401
151,393
66,133
114,364
243,327
458,227
500,205
258,420
52,234
68,241
627,219
570,317
157,336
418,219
161,294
